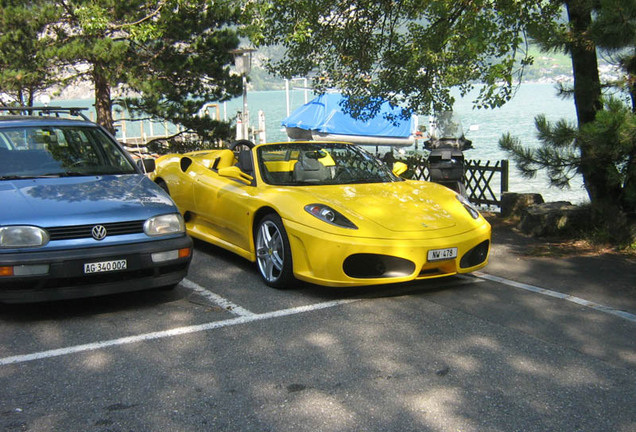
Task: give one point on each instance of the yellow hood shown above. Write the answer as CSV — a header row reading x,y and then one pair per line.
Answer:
x,y
400,207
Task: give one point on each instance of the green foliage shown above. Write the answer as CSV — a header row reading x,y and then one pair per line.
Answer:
x,y
189,66
411,52
611,145
557,154
602,147
181,144
606,147
163,57
25,66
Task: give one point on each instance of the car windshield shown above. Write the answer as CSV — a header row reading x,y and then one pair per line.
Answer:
x,y
320,163
45,151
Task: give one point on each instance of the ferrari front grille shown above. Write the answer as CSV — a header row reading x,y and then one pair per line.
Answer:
x,y
367,266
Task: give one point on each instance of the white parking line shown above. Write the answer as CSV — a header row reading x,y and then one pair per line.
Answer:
x,y
245,317
598,307
216,299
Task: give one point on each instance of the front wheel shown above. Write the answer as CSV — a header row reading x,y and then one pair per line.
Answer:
x,y
273,254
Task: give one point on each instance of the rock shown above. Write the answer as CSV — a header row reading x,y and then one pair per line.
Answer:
x,y
552,219
513,204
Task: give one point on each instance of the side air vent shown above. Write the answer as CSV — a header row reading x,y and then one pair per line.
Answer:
x,y
476,255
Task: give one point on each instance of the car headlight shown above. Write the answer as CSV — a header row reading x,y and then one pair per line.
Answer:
x,y
329,215
470,207
165,224
22,236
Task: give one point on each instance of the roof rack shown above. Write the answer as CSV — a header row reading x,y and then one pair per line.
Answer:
x,y
41,111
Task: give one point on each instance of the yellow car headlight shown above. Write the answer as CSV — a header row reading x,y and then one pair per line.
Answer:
x,y
470,207
329,215
165,224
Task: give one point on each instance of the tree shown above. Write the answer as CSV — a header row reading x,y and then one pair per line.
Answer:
x,y
410,52
167,56
602,147
413,52
189,65
25,67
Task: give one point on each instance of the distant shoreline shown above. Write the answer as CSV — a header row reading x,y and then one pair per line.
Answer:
x,y
85,91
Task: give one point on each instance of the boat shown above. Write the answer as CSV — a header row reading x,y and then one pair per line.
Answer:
x,y
324,118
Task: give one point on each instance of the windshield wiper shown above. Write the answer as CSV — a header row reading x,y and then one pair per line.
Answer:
x,y
63,174
38,176
17,177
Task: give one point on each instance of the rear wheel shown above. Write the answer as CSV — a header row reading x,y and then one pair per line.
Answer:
x,y
273,253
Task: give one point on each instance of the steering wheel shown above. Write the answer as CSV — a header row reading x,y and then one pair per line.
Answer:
x,y
241,145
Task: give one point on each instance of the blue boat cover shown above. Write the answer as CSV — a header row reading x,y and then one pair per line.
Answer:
x,y
325,114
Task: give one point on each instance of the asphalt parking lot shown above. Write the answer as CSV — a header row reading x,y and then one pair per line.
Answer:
x,y
502,350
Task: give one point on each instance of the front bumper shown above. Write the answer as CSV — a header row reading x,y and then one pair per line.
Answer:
x,y
340,261
65,278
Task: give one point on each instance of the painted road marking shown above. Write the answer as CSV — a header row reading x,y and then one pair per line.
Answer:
x,y
596,306
241,319
245,316
217,299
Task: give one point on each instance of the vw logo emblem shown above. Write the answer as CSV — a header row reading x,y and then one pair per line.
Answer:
x,y
99,232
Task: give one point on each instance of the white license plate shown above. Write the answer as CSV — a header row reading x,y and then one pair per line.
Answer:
x,y
442,254
105,266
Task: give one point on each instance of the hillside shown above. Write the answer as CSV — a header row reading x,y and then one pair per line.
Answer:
x,y
546,68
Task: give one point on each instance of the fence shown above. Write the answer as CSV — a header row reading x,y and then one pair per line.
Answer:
x,y
485,181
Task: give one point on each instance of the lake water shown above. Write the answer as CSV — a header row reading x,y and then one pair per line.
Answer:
x,y
516,117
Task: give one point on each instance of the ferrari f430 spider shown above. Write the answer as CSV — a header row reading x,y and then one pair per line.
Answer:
x,y
328,213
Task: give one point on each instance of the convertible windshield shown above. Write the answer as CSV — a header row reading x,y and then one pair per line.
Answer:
x,y
31,152
320,163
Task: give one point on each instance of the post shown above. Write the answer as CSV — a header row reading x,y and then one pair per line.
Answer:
x,y
505,170
262,135
245,114
124,138
243,64
287,95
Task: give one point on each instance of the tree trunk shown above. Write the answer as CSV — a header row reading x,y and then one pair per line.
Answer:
x,y
103,102
597,172
587,84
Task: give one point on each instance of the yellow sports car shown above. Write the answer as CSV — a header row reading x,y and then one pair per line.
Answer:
x,y
328,213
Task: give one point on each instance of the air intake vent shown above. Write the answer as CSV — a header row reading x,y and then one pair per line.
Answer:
x,y
476,255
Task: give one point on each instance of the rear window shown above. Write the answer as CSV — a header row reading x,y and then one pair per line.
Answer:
x,y
59,151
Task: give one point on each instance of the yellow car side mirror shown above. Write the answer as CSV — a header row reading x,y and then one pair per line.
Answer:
x,y
399,168
235,173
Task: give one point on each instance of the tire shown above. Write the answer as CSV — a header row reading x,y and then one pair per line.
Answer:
x,y
273,253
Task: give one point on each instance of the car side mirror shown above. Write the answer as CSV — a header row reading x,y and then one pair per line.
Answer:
x,y
399,168
146,165
235,173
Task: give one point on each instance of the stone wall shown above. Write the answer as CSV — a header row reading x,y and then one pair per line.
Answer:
x,y
538,218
